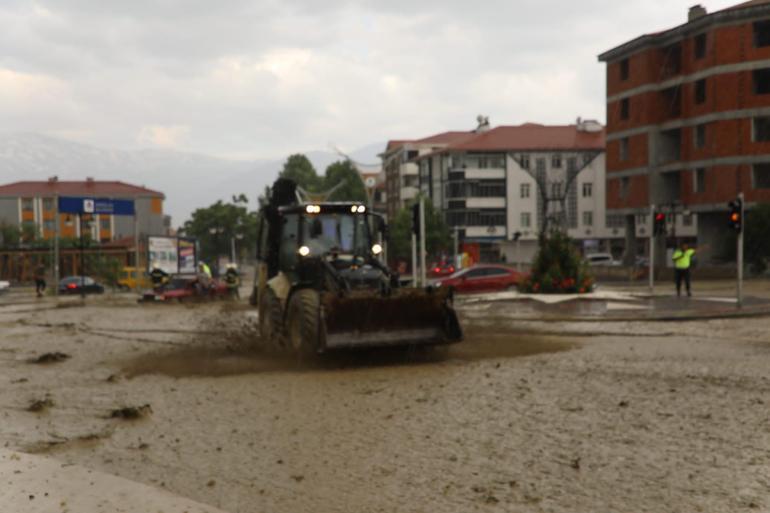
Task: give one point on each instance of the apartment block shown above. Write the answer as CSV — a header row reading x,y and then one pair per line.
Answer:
x,y
688,119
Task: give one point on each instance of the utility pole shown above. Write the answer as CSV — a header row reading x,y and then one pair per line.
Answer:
x,y
136,251
414,260
56,244
651,260
740,249
456,245
422,242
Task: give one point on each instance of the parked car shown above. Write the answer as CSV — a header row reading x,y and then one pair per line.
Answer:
x,y
601,259
440,270
80,285
481,278
131,278
4,286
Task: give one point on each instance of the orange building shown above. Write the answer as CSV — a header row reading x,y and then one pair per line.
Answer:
x,y
32,207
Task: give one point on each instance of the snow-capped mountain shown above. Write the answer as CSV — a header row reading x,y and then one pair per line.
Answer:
x,y
188,180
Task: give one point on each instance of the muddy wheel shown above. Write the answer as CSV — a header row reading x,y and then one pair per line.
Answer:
x,y
304,322
271,319
253,297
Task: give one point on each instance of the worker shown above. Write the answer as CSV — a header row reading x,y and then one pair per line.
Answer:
x,y
233,280
40,280
682,258
204,277
158,276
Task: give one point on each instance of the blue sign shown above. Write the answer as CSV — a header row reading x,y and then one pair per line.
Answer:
x,y
81,205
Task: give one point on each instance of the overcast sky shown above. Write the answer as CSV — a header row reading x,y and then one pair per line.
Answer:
x,y
263,78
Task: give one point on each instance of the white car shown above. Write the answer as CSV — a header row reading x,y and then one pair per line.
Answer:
x,y
4,286
601,260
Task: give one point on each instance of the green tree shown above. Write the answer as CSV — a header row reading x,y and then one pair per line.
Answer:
x,y
558,267
10,235
298,168
216,225
352,188
437,235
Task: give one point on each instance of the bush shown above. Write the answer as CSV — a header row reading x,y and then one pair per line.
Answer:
x,y
558,268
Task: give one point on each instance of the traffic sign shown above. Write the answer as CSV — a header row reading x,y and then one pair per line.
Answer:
x,y
81,205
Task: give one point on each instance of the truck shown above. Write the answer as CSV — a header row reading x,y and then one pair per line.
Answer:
x,y
321,284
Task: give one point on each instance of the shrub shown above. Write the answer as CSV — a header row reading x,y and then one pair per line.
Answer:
x,y
558,268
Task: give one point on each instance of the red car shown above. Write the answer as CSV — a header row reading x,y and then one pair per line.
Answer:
x,y
185,289
482,278
441,270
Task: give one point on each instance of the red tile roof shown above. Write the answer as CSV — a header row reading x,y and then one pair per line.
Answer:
x,y
450,137
76,188
531,136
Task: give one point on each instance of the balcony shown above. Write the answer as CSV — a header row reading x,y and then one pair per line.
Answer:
x,y
409,169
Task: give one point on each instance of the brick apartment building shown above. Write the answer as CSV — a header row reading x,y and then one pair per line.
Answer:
x,y
493,182
33,204
688,118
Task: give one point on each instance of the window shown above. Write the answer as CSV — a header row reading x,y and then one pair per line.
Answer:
x,y
572,164
641,219
700,136
761,176
526,219
104,224
524,190
624,149
48,225
540,163
624,69
700,91
27,205
700,46
588,218
761,81
556,161
48,204
699,180
289,240
687,220
761,129
761,33
525,162
625,106
411,154
556,190
614,221
483,163
625,184
588,189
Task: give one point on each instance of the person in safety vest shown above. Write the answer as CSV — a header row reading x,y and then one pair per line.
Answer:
x,y
159,277
682,258
204,277
233,280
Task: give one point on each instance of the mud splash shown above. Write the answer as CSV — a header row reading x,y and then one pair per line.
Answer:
x,y
235,359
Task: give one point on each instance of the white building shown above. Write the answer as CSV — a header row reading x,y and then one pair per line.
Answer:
x,y
499,187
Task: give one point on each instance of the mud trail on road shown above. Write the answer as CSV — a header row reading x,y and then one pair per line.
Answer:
x,y
522,416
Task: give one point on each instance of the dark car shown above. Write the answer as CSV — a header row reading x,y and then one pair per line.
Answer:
x,y
482,278
80,285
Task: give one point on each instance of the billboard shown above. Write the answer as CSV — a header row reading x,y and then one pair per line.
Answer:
x,y
83,205
163,252
174,255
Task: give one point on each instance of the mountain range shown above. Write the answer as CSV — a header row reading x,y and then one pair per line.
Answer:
x,y
189,180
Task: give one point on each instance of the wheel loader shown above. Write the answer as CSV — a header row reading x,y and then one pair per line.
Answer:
x,y
320,284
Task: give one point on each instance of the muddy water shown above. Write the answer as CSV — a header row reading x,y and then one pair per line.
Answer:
x,y
204,360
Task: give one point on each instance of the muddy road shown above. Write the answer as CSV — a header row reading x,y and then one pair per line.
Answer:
x,y
522,416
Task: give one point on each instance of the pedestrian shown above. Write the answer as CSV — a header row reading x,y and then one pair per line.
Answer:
x,y
682,258
40,280
233,280
159,277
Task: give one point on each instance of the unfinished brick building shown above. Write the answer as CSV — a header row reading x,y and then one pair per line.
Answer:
x,y
688,118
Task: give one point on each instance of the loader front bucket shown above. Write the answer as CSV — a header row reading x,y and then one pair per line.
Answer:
x,y
406,317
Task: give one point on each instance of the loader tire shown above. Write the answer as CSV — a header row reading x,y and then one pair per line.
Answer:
x,y
271,320
304,326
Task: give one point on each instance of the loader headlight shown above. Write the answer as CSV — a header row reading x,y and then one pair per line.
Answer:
x,y
376,249
313,209
361,209
437,284
303,251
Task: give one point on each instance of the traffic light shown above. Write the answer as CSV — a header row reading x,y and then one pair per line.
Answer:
x,y
659,223
736,215
416,219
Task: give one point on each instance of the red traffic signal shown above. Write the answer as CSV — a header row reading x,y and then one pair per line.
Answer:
x,y
659,223
736,215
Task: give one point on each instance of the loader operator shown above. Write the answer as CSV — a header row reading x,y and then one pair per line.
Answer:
x,y
159,277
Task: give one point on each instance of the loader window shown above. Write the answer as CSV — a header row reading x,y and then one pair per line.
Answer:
x,y
336,232
289,240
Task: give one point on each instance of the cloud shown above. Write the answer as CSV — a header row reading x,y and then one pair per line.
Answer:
x,y
169,136
263,79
